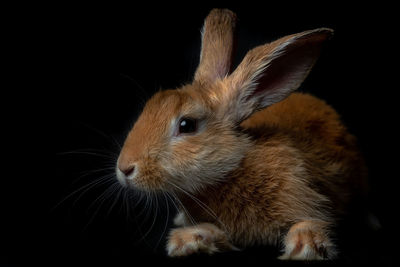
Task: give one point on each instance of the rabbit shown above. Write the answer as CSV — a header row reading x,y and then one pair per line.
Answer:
x,y
250,161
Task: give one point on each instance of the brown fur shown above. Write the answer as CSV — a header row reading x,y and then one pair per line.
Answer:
x,y
214,62
258,175
290,174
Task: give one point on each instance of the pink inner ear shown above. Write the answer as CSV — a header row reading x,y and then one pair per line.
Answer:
x,y
285,73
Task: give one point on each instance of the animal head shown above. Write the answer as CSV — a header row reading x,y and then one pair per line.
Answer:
x,y
188,138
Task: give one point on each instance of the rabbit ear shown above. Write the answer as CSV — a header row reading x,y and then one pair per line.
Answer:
x,y
269,73
217,46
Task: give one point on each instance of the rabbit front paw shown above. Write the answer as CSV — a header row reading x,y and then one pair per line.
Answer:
x,y
205,238
189,240
308,240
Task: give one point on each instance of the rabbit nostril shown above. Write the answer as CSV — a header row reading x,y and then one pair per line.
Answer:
x,y
128,171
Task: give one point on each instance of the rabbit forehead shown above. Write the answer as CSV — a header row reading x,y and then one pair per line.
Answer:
x,y
165,106
159,115
154,122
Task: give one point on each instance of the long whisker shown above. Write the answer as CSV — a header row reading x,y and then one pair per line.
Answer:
x,y
142,196
103,134
139,198
87,187
173,202
200,203
91,172
166,221
127,207
146,205
87,152
112,189
148,208
153,222
126,204
185,210
117,196
100,181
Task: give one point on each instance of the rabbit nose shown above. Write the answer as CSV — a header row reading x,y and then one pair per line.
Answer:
x,y
128,170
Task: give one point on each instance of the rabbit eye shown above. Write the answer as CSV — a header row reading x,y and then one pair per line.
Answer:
x,y
187,125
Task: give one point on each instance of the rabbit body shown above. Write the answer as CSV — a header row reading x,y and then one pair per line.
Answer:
x,y
248,161
303,164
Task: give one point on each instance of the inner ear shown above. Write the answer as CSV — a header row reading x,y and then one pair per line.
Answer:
x,y
285,71
269,73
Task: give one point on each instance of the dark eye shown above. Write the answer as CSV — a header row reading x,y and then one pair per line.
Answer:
x,y
187,125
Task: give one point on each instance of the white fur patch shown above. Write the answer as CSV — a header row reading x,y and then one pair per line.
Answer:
x,y
180,219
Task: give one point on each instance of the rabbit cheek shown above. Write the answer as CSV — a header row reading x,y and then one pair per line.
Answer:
x,y
183,163
195,162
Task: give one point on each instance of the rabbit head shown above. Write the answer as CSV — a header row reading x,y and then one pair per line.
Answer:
x,y
190,138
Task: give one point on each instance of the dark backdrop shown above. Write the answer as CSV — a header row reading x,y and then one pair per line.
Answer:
x,y
96,68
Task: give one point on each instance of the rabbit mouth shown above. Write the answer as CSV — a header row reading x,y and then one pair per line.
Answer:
x,y
141,177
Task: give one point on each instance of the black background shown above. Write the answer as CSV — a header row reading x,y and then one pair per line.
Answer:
x,y
80,78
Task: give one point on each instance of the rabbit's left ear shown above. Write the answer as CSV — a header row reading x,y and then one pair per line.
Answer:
x,y
217,46
269,73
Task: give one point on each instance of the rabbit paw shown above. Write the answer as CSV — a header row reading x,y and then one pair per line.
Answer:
x,y
206,238
307,241
189,240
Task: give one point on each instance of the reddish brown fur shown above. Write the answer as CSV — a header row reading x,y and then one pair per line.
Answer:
x,y
261,193
214,62
290,166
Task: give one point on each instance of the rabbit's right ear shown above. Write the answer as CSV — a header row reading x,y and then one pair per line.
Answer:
x,y
217,46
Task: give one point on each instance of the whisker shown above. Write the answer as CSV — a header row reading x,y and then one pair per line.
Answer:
x,y
198,201
103,196
146,205
201,204
100,181
91,172
173,202
139,229
88,153
138,197
154,220
185,210
117,196
103,134
166,221
148,209
127,207
87,187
